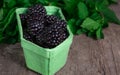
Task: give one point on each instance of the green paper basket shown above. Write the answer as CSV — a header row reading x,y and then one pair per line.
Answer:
x,y
44,60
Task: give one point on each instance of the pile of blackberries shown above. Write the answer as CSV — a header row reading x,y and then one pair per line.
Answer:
x,y
47,31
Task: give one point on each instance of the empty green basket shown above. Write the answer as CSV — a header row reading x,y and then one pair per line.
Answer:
x,y
44,60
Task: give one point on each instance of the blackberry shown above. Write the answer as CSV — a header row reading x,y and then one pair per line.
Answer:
x,y
52,43
46,34
23,18
59,39
53,36
61,23
50,19
63,36
34,27
59,26
36,17
27,36
41,39
37,9
56,28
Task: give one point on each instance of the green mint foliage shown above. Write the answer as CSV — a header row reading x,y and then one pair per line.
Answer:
x,y
109,15
71,24
82,10
90,24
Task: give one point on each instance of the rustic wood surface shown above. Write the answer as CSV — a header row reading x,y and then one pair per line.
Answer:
x,y
86,56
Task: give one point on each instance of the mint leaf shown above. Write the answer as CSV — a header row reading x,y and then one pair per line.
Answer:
x,y
72,26
95,16
99,33
1,14
105,2
90,3
44,2
78,22
90,24
10,3
105,24
82,10
109,14
102,2
70,7
79,31
24,3
92,34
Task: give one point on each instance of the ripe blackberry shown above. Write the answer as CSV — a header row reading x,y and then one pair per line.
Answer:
x,y
57,40
52,43
41,39
34,27
50,19
23,18
37,9
44,37
60,36
63,36
61,23
53,36
56,28
27,36
46,34
36,16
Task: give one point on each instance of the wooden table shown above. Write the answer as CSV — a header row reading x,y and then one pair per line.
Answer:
x,y
86,57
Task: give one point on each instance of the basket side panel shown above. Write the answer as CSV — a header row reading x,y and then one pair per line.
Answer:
x,y
36,62
34,48
59,56
59,61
